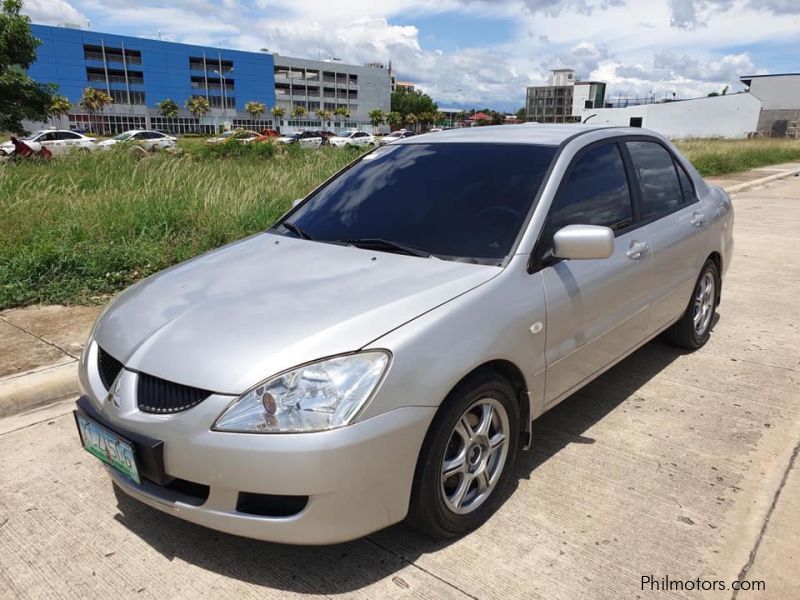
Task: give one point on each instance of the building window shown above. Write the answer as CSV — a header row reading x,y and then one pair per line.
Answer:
x,y
199,83
216,101
98,74
131,57
121,96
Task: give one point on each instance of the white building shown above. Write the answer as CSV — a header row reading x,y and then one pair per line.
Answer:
x,y
780,102
563,98
729,116
328,85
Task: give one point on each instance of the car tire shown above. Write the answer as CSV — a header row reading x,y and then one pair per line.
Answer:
x,y
693,329
447,506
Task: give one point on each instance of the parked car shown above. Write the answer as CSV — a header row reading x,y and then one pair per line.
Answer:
x,y
57,141
354,138
400,134
244,136
270,133
435,129
149,140
311,139
380,353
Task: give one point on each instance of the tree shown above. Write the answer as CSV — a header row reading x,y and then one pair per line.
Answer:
x,y
59,106
522,114
299,112
94,101
411,120
198,106
406,102
394,119
441,118
323,115
377,118
168,108
20,96
255,109
342,112
278,112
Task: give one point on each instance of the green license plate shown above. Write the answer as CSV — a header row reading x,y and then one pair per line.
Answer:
x,y
108,447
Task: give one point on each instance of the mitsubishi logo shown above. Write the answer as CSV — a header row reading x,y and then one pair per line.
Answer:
x,y
114,393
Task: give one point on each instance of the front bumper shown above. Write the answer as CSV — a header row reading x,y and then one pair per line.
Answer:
x,y
357,479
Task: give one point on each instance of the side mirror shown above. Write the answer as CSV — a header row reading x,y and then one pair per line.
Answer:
x,y
296,202
583,242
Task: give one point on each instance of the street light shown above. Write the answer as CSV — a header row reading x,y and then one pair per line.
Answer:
x,y
224,92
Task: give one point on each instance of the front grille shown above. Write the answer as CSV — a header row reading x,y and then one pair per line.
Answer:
x,y
108,367
156,395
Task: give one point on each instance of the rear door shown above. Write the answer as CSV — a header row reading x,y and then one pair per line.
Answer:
x,y
597,310
675,221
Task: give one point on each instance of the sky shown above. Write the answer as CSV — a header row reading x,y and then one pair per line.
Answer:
x,y
483,53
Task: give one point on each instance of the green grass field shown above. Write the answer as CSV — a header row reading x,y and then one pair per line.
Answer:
x,y
81,227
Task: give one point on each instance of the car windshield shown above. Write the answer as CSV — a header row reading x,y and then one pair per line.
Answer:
x,y
123,136
456,201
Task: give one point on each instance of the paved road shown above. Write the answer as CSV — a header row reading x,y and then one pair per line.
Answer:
x,y
669,465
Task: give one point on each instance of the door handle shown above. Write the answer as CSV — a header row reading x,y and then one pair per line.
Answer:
x,y
698,219
637,250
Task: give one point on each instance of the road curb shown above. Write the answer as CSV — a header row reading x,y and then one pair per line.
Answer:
x,y
741,187
22,392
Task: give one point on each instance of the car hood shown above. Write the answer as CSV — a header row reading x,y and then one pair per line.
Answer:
x,y
228,319
109,142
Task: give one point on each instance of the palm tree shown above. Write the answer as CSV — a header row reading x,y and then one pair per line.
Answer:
x,y
59,106
411,119
198,106
94,101
278,112
299,112
440,118
377,117
323,115
343,113
255,109
394,119
168,108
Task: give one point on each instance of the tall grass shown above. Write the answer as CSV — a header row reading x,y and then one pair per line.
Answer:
x,y
719,157
85,225
80,227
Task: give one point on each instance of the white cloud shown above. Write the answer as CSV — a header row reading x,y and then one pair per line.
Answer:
x,y
53,12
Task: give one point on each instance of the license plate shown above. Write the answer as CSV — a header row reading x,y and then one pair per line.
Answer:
x,y
108,447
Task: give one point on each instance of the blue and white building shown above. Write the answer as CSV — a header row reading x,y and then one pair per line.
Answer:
x,y
139,73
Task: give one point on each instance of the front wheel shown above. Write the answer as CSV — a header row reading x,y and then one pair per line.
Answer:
x,y
693,329
467,458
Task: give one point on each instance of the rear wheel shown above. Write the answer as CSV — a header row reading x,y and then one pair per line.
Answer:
x,y
467,458
693,329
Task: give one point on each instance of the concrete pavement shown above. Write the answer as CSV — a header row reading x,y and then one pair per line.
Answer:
x,y
671,464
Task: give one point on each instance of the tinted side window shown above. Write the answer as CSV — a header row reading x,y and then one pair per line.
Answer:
x,y
595,192
686,185
661,191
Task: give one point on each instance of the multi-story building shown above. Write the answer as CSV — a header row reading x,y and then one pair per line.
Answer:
x,y
139,73
329,85
563,98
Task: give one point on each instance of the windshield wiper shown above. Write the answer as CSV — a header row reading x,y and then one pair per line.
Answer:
x,y
387,246
297,230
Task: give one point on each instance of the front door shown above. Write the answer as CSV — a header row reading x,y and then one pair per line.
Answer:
x,y
597,310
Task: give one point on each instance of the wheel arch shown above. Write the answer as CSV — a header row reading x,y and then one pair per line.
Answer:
x,y
716,257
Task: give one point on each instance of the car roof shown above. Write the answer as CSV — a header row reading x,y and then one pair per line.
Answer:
x,y
528,133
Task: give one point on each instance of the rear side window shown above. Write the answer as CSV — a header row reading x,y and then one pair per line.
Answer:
x,y
686,185
658,178
595,192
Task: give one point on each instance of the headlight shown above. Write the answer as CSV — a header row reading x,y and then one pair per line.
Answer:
x,y
315,397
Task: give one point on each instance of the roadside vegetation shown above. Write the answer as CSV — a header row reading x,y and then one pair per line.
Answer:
x,y
77,228
719,157
80,227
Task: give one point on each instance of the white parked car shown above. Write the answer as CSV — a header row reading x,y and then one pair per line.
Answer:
x,y
396,135
304,138
243,136
58,141
149,140
354,138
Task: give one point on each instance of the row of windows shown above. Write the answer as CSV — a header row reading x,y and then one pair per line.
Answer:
x,y
110,54
112,124
313,75
98,74
596,190
210,64
122,96
212,83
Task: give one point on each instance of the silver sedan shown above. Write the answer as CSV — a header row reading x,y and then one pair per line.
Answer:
x,y
380,353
